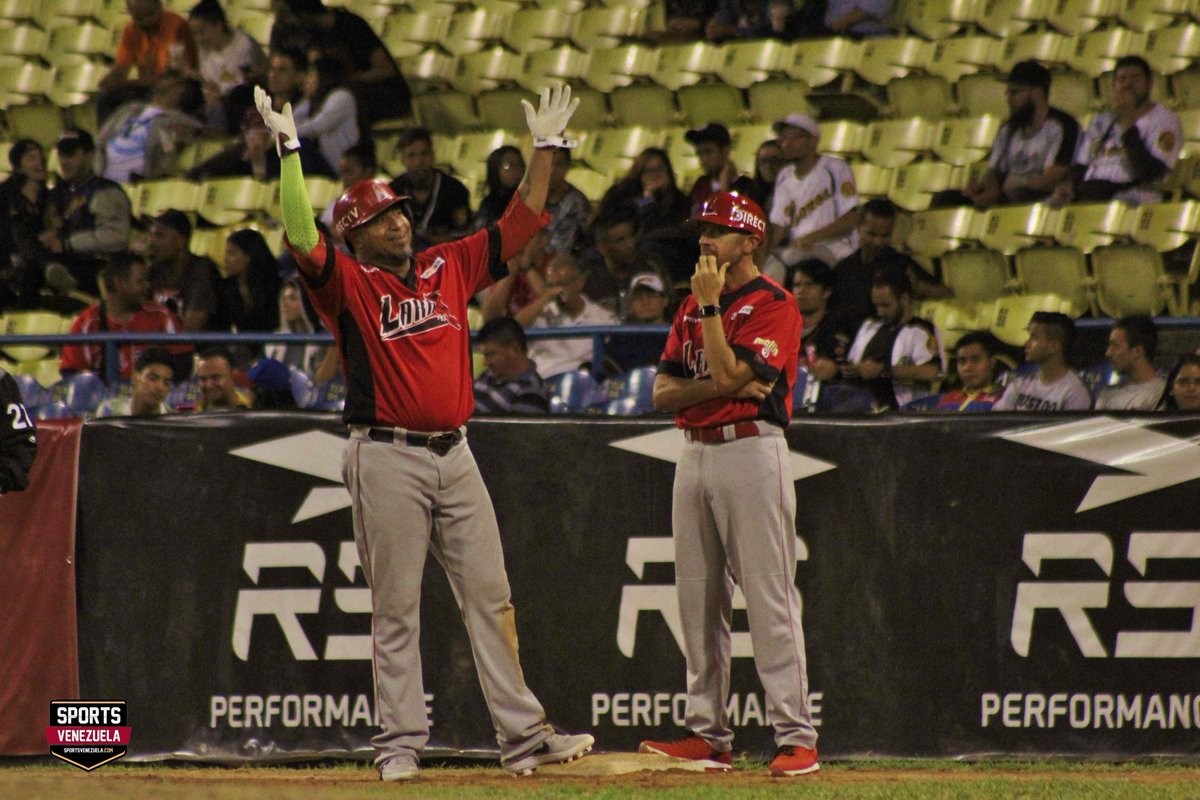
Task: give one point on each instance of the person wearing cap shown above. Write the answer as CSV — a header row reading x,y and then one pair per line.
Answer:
x,y
727,372
813,210
1032,151
399,320
648,302
181,280
713,143
270,386
1130,147
91,216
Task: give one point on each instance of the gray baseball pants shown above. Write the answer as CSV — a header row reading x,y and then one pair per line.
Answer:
x,y
733,514
407,501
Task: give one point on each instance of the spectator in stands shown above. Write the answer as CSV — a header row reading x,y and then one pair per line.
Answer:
x,y
975,362
126,307
713,143
562,304
150,384
1033,149
568,207
252,154
287,71
858,18
525,281
440,204
248,295
822,344
648,300
231,63
292,319
182,281
270,386
896,355
143,139
813,208
90,217
768,162
751,19
1132,344
346,37
1130,147
650,189
616,259
154,42
505,168
24,205
855,274
356,164
218,392
1054,386
1184,393
329,112
511,383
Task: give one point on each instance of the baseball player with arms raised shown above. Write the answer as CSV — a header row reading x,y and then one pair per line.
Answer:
x,y
400,322
18,437
727,372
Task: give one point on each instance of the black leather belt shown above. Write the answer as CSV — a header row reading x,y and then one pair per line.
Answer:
x,y
438,443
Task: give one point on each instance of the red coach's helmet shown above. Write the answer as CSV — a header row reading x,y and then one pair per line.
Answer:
x,y
734,211
361,203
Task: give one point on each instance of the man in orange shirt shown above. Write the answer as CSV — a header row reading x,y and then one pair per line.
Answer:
x,y
154,41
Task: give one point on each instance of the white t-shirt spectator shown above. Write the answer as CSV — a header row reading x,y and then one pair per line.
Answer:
x,y
1133,396
1103,152
916,343
1014,153
821,197
1028,393
554,356
227,67
334,125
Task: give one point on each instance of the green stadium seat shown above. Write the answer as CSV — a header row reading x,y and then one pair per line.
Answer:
x,y
955,58
447,113
1047,47
936,232
1011,315
975,275
772,99
561,64
643,104
966,140
884,59
599,27
1074,17
1129,280
1166,226
620,66
1170,50
982,94
1086,226
407,33
501,108
1008,229
472,31
686,64
818,62
926,96
1152,15
711,102
1096,53
746,63
894,143
1010,17
914,185
534,29
939,19
1061,271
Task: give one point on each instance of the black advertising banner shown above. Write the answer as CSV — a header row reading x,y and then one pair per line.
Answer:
x,y
981,584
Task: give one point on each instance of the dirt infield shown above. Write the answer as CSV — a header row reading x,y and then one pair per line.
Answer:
x,y
589,779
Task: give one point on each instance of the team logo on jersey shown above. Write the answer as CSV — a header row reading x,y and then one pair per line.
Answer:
x,y
1166,141
744,311
797,213
413,316
432,269
847,189
769,348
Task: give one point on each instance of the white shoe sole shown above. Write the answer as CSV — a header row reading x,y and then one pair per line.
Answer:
x,y
559,758
794,772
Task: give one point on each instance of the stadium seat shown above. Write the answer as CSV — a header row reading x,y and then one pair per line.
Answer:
x,y
966,140
501,108
1152,15
1129,280
637,384
886,58
593,184
1096,53
407,33
24,81
1173,49
45,371
156,196
448,113
643,104
473,30
33,394
75,84
871,180
257,26
620,66
577,389
685,64
975,275
301,385
224,201
939,19
623,407
926,96
427,71
613,151
534,29
818,62
1060,271
1074,93
746,141
54,410
746,63
486,69
29,323
709,102
1166,226
896,142
1009,17
1098,377
1087,226
562,64
769,100
1185,87
24,40
914,185
1011,315
938,231
82,392
599,28
85,39
470,157
1008,229
842,138
1047,47
42,122
953,318
982,94
1075,17
953,59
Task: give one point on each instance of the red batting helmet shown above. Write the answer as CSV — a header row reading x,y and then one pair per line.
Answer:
x,y
734,211
361,203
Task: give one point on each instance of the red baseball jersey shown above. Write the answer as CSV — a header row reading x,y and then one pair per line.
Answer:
x,y
762,326
152,318
404,343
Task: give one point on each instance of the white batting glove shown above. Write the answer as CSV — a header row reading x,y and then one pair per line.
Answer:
x,y
281,123
549,122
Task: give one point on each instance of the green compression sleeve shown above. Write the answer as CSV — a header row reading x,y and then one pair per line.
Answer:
x,y
297,209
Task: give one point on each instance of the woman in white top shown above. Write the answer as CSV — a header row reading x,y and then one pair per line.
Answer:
x,y
329,113
292,319
230,64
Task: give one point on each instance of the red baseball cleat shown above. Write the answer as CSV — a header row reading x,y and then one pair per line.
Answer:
x,y
693,748
794,760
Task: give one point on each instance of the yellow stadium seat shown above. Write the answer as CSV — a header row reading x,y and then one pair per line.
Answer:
x,y
1074,93
225,201
683,156
501,108
884,59
25,41
914,185
821,61
746,63
427,71
746,141
975,275
1129,280
29,323
842,138
1008,229
686,64
18,11
1046,47
1170,50
612,151
926,96
42,122
1086,226
472,31
955,58
322,191
939,19
470,158
936,232
954,318
156,196
966,140
534,29
1185,86
620,66
710,102
20,83
44,371
1075,17
258,27
893,143
562,64
1152,15
87,39
446,112
1061,271
407,33
1011,315
1096,53
643,104
982,94
593,184
1010,17
774,99
76,83
606,27
1166,226
871,180
486,69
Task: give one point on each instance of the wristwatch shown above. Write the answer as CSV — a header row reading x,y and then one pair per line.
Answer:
x,y
710,311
